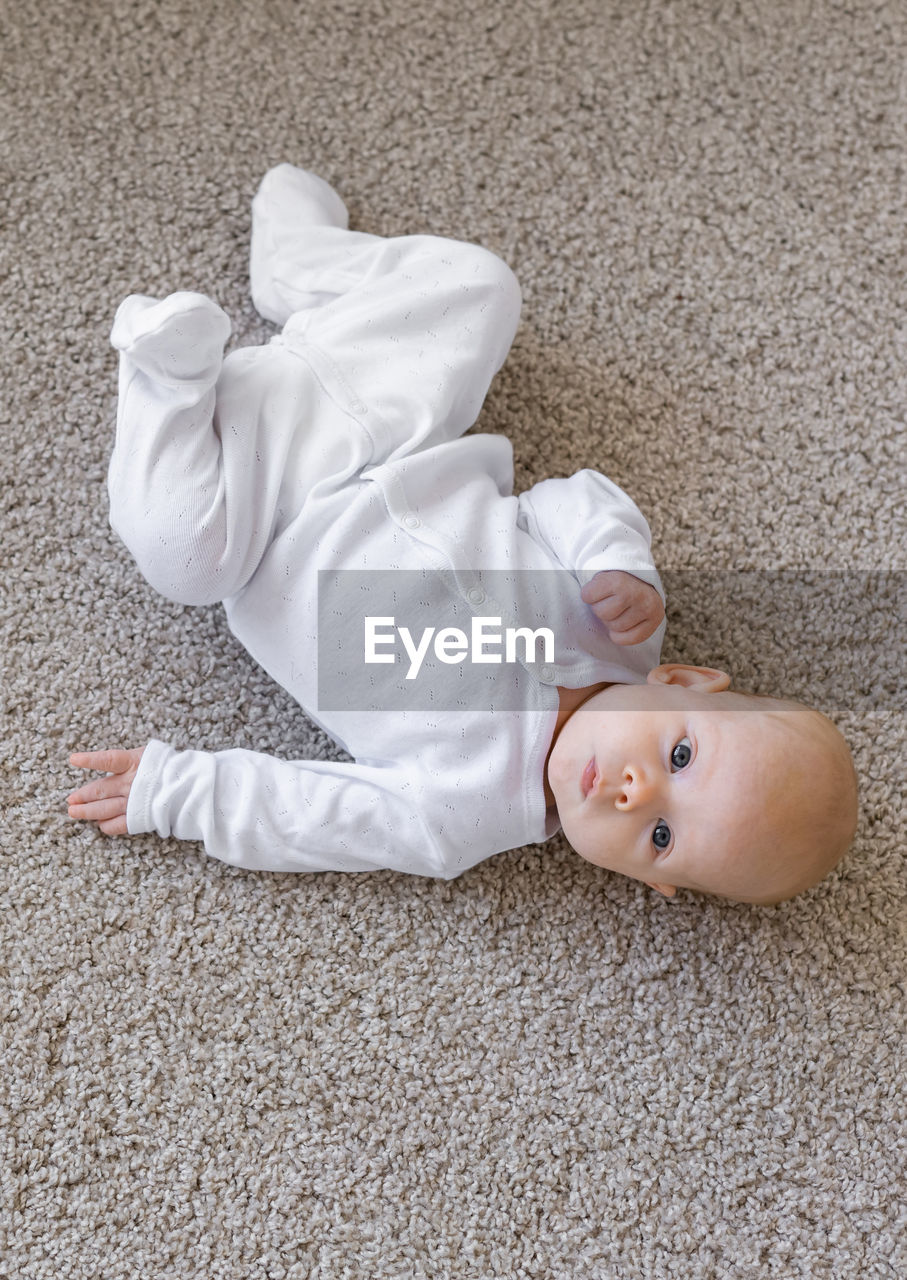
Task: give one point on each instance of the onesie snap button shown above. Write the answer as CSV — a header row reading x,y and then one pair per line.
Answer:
x,y
411,521
475,595
546,675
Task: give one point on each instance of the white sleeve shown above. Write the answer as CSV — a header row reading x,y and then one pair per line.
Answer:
x,y
589,524
253,810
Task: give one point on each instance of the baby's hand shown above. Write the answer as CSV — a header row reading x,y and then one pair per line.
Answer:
x,y
630,609
104,800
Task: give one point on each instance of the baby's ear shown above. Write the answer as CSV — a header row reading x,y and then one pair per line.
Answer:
x,y
703,679
666,890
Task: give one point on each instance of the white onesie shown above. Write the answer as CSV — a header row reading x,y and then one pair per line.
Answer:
x,y
302,481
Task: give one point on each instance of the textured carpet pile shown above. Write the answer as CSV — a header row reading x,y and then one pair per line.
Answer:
x,y
539,1070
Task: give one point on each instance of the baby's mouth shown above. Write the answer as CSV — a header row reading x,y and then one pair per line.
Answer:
x,y
589,778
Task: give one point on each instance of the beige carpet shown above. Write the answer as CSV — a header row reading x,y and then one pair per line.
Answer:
x,y
538,1070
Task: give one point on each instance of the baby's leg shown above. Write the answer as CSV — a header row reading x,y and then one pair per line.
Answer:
x,y
184,502
416,326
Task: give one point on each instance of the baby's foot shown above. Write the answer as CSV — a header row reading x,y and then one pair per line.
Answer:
x,y
174,340
288,198
287,202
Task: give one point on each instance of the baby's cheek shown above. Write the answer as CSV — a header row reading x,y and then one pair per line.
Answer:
x,y
560,771
586,841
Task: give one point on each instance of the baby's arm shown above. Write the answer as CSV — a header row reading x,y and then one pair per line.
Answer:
x,y
597,533
253,810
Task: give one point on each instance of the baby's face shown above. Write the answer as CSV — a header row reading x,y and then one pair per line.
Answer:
x,y
675,787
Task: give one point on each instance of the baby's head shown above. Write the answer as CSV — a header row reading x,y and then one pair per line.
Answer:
x,y
683,783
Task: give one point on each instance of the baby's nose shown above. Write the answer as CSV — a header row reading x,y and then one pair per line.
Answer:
x,y
635,788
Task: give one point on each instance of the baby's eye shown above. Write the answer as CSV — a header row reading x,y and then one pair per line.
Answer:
x,y
661,836
682,754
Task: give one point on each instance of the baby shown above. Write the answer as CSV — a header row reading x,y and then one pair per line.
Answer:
x,y
322,487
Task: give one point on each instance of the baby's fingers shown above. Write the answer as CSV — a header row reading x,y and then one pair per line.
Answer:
x,y
103,761
636,626
103,812
112,784
635,634
608,582
610,608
